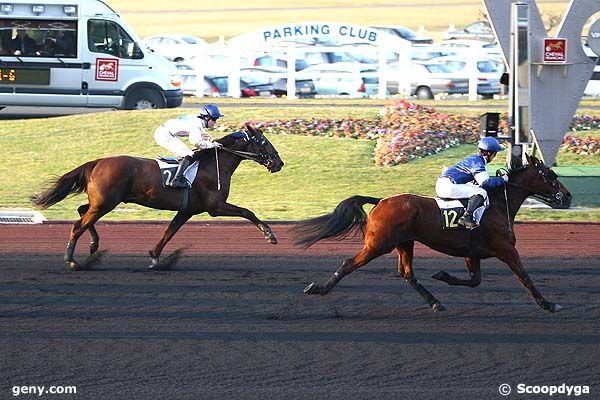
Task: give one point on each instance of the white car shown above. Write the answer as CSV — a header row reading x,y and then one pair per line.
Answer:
x,y
427,79
175,47
427,52
593,86
490,50
488,76
338,79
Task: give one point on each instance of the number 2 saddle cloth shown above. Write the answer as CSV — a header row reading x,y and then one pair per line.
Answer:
x,y
452,209
168,167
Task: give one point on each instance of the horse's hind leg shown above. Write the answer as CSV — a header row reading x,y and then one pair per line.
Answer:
x,y
473,267
87,220
351,264
95,238
405,268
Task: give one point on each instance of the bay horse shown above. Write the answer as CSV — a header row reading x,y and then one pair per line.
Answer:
x,y
112,180
396,222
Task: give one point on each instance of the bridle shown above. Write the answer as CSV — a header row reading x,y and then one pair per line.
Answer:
x,y
262,157
550,178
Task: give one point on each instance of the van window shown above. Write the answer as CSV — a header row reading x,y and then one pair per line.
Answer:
x,y
109,38
38,38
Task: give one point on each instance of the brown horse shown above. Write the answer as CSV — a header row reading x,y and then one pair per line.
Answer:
x,y
110,181
397,222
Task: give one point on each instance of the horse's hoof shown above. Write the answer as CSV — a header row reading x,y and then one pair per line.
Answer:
x,y
555,308
73,266
271,238
438,307
154,264
313,288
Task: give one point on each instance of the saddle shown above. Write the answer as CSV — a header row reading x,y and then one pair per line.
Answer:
x,y
452,209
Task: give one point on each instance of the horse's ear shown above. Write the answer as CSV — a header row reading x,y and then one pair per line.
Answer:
x,y
528,158
532,159
250,129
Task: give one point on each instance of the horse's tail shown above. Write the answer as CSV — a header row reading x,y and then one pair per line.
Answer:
x,y
346,220
74,181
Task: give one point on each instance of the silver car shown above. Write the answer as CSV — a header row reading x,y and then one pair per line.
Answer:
x,y
488,76
427,79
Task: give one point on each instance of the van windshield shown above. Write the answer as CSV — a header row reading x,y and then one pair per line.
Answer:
x,y
38,38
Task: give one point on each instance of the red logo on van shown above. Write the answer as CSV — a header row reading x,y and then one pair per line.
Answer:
x,y
107,69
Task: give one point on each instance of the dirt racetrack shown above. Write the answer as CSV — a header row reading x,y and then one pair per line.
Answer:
x,y
229,321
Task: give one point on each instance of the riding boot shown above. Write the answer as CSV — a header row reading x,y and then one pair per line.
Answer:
x,y
179,180
468,220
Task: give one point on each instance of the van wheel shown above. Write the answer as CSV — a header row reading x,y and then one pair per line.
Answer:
x,y
424,93
144,99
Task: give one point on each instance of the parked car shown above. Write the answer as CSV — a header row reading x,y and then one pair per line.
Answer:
x,y
490,50
338,79
427,52
222,85
479,30
593,86
189,79
271,81
427,79
274,61
177,48
404,33
488,77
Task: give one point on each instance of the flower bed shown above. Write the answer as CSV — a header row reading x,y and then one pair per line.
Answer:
x,y
405,131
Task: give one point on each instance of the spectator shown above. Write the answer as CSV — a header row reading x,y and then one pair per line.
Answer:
x,y
23,44
6,42
91,43
64,44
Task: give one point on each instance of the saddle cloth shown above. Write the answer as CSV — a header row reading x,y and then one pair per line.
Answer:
x,y
168,167
453,209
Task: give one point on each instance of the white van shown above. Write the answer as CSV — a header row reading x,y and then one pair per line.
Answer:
x,y
79,53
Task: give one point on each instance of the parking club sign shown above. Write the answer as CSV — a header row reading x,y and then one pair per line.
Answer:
x,y
107,69
555,50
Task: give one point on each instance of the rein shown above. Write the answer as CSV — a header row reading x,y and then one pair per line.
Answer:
x,y
540,195
244,154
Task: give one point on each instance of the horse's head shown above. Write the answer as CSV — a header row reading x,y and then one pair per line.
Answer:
x,y
542,182
269,157
256,147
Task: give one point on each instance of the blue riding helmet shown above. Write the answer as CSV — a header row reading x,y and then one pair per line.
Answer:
x,y
490,144
210,111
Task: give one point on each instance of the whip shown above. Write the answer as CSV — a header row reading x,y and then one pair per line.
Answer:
x,y
218,173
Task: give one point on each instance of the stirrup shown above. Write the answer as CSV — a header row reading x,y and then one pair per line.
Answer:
x,y
179,182
468,221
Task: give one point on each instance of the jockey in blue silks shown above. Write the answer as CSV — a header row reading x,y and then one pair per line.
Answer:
x,y
469,178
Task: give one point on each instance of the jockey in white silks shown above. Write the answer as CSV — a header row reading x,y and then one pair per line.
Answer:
x,y
194,127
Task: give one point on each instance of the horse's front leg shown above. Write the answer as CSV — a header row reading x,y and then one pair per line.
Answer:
x,y
176,223
510,256
473,267
229,210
